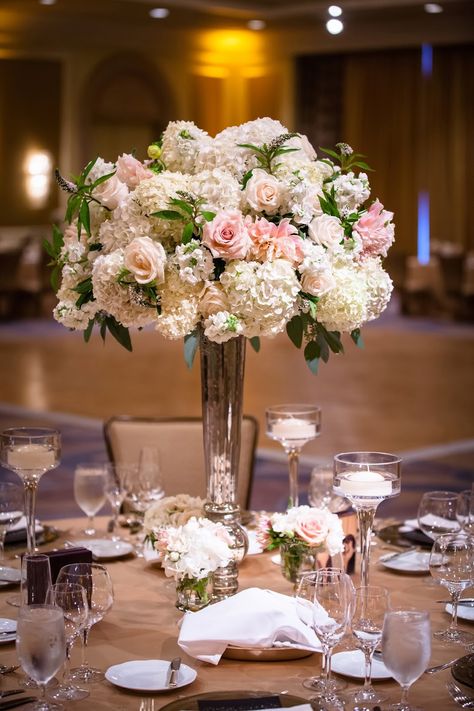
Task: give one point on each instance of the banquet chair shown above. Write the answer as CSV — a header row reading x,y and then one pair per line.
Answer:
x,y
180,444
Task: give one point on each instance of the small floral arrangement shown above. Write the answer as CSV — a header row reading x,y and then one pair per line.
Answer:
x,y
247,233
195,549
171,511
303,525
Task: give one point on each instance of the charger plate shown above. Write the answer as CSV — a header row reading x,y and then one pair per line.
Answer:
x,y
463,670
190,703
404,538
269,654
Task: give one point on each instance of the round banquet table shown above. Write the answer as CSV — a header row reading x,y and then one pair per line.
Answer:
x,y
143,624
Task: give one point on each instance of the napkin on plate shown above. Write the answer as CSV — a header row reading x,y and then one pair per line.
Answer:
x,y
254,618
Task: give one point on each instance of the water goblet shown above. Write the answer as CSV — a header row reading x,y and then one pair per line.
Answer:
x,y
30,452
437,513
72,599
293,426
89,491
366,479
95,579
406,649
11,510
371,604
452,564
465,510
115,493
41,647
149,474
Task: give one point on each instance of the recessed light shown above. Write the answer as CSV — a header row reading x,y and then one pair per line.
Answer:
x,y
256,24
433,8
335,10
47,2
159,13
334,27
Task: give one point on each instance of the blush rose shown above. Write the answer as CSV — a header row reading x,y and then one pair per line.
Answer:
x,y
375,230
111,192
312,527
227,235
130,171
146,260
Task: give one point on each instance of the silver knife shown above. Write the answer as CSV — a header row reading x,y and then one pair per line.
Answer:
x,y
11,692
466,601
173,671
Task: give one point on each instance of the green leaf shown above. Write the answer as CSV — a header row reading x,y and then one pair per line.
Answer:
x,y
262,151
357,337
294,329
188,233
54,278
311,356
87,170
333,339
48,248
186,207
246,178
100,180
168,215
84,218
208,215
84,286
191,343
324,348
72,207
103,330
119,332
255,343
88,331
58,239
330,152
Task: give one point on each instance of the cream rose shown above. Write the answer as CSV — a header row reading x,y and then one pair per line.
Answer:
x,y
312,527
263,192
213,300
227,235
130,171
327,231
146,260
111,192
317,281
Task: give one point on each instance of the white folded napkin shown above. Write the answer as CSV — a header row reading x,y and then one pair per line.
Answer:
x,y
254,618
300,707
150,553
21,525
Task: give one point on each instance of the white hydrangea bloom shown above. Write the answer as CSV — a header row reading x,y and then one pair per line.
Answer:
x,y
154,194
67,313
344,307
219,189
117,300
182,143
379,287
351,191
194,262
179,306
125,224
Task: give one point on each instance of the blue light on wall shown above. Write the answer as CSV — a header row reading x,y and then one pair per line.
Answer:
x,y
423,227
426,60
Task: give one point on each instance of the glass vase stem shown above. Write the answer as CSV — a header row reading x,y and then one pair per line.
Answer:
x,y
366,521
30,489
293,461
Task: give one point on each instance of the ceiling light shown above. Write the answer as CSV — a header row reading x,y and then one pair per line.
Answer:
x,y
47,2
256,24
334,27
159,13
433,8
335,10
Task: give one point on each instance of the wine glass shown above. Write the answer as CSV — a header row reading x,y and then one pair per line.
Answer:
x,y
371,604
89,491
406,649
72,599
332,607
293,426
41,647
452,564
149,474
11,510
100,596
30,452
465,510
115,493
437,513
320,490
366,479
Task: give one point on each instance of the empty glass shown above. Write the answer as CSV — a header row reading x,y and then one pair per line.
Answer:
x,y
115,493
320,491
11,510
437,513
465,510
406,649
35,578
89,491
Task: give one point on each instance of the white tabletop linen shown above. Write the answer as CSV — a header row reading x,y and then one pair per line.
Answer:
x,y
253,618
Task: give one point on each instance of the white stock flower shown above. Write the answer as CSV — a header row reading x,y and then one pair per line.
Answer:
x,y
194,262
222,326
67,313
350,191
181,145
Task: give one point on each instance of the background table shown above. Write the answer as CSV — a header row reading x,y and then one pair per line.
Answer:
x,y
143,624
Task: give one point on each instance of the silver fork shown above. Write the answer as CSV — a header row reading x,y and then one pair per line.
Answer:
x,y
147,705
467,702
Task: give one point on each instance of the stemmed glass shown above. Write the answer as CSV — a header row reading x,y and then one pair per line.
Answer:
x,y
89,491
320,490
41,647
366,479
406,649
437,513
115,493
149,473
30,452
293,426
452,564
11,510
371,604
465,510
72,599
95,579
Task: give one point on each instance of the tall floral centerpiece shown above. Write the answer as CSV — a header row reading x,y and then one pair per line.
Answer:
x,y
219,241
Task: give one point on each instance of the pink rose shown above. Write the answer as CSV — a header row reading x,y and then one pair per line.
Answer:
x,y
270,241
111,192
262,192
130,171
227,235
312,527
375,230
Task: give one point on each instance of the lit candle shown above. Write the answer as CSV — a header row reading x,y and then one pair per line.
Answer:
x,y
31,457
365,483
293,428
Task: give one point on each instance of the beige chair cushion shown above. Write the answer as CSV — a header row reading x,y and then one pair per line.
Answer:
x,y
180,444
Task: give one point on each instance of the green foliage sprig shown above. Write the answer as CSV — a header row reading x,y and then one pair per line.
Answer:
x,y
188,209
345,157
267,154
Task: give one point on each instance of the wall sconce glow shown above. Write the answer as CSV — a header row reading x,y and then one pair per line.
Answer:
x,y
159,13
334,27
423,227
38,167
335,10
433,8
256,24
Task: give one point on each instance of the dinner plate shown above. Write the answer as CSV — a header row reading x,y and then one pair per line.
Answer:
x,y
9,576
6,624
463,670
190,703
352,663
105,548
148,675
464,612
412,562
269,654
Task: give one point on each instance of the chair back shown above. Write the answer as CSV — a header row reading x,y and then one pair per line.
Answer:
x,y
180,443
